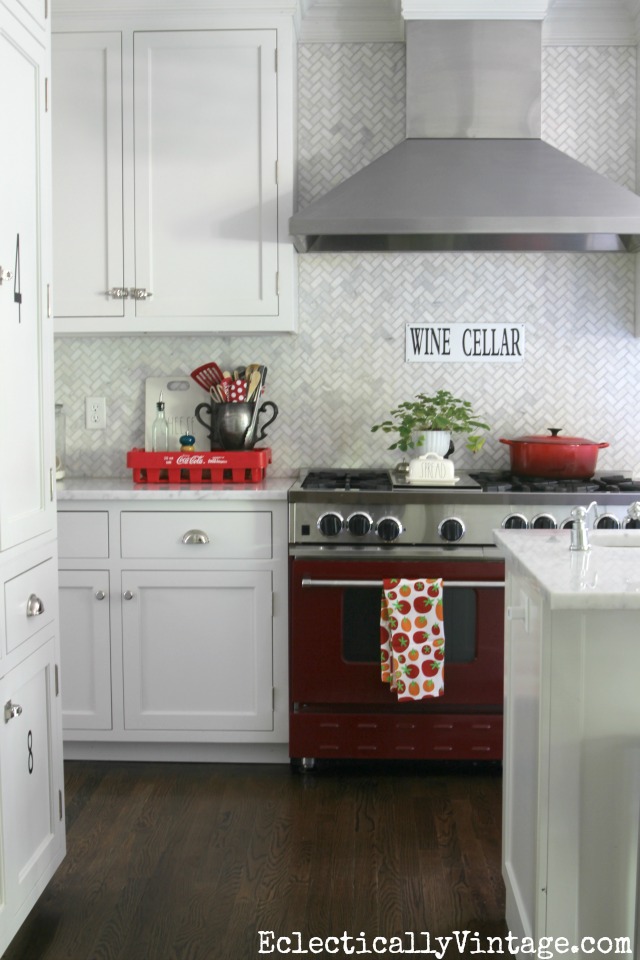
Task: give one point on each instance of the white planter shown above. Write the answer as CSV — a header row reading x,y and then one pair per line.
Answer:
x,y
433,441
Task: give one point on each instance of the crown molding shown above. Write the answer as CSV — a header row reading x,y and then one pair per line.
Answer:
x,y
590,23
474,9
351,20
566,22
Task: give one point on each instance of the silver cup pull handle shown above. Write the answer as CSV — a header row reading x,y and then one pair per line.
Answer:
x,y
35,606
195,536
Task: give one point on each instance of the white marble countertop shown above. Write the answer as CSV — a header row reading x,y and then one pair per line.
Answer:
x,y
123,488
602,578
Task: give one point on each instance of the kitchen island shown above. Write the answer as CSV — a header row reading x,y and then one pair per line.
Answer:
x,y
571,785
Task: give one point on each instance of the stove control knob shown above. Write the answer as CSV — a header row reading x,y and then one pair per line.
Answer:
x,y
544,521
360,524
632,524
389,529
451,530
330,524
515,521
607,522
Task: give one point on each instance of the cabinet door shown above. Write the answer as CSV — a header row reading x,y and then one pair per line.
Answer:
x,y
32,777
205,173
197,650
523,834
26,343
85,649
88,262
33,12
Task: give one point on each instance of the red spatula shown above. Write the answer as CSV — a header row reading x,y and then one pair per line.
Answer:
x,y
207,376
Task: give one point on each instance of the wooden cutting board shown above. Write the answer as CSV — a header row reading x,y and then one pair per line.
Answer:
x,y
181,396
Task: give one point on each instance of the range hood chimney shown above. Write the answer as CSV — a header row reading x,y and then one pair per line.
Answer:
x,y
472,173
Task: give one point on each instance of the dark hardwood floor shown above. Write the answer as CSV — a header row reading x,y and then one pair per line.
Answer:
x,y
191,861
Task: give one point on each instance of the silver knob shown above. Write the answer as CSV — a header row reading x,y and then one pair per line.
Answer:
x,y
5,275
100,595
128,595
139,293
633,512
35,606
195,536
118,293
11,710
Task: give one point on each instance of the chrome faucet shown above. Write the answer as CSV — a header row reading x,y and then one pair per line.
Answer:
x,y
633,512
579,533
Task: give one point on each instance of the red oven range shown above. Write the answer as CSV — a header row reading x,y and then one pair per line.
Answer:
x,y
349,530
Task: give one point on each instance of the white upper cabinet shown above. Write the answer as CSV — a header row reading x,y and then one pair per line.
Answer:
x,y
206,152
88,255
171,196
26,343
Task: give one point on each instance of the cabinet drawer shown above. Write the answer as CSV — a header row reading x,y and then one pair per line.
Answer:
x,y
83,534
30,603
206,535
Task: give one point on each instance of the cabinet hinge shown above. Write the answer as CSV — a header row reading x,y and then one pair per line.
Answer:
x,y
60,809
273,605
275,60
277,171
49,311
46,94
57,681
277,284
46,9
52,485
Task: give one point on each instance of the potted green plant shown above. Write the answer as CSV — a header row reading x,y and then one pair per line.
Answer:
x,y
443,414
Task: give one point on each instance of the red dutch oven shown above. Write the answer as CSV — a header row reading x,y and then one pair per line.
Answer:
x,y
553,457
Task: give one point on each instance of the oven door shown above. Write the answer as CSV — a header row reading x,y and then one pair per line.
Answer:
x,y
335,632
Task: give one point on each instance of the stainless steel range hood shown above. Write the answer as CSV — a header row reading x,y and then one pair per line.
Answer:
x,y
473,173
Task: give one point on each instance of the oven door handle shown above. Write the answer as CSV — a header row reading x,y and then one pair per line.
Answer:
x,y
309,582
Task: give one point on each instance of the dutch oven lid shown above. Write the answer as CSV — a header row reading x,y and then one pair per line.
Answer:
x,y
554,438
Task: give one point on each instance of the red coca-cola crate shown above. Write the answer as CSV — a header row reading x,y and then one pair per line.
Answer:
x,y
199,466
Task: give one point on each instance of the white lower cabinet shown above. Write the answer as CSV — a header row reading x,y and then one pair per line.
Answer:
x,y
197,650
86,653
179,634
33,841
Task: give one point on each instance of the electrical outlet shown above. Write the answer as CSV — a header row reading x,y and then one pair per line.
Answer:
x,y
95,413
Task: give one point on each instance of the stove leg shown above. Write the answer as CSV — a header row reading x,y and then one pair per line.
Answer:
x,y
308,763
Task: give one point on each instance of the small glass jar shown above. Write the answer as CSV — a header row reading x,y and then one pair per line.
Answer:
x,y
60,441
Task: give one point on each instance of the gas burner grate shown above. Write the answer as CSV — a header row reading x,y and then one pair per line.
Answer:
x,y
504,482
347,480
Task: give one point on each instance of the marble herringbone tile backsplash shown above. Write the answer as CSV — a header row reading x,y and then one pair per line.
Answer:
x,y
345,368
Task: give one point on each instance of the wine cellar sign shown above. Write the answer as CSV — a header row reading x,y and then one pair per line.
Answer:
x,y
464,343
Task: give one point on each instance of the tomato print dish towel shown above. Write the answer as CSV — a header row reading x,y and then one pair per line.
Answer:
x,y
412,638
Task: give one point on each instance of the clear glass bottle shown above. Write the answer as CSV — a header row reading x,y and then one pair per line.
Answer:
x,y
60,442
160,429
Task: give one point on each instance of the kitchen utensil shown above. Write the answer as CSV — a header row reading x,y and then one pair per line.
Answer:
x,y
237,391
555,457
233,426
253,386
207,376
215,395
256,397
225,387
